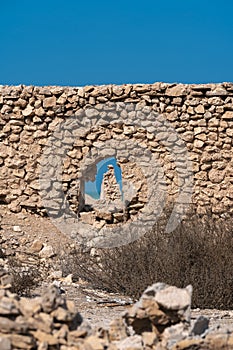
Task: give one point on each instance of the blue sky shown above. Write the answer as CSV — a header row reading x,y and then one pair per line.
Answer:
x,y
76,43
94,188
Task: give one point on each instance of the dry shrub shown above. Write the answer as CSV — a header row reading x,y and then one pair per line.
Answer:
x,y
199,252
24,278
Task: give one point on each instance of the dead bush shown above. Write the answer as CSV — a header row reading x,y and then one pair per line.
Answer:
x,y
199,252
24,278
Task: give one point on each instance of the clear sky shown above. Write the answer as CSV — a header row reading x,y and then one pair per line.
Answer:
x,y
72,42
94,188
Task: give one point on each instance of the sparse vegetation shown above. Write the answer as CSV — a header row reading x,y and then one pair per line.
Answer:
x,y
198,252
24,279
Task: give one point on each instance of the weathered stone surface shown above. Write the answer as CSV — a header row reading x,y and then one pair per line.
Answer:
x,y
46,252
36,246
28,111
49,102
117,330
160,319
160,306
216,176
200,325
178,90
5,343
201,116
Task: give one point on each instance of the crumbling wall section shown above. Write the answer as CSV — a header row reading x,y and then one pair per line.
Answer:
x,y
202,116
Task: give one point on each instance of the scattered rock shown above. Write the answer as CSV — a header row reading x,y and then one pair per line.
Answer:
x,y
17,229
46,252
200,325
36,246
160,321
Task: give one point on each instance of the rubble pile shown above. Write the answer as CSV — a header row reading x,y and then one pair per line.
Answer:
x,y
160,320
22,256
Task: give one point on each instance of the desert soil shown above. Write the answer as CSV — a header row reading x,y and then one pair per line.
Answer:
x,y
98,307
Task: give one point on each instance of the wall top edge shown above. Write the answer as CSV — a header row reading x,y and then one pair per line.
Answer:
x,y
121,92
162,84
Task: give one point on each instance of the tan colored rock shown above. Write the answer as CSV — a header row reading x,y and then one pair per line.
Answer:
x,y
216,176
8,307
24,342
95,342
49,102
228,115
68,280
160,306
217,341
133,342
46,252
87,217
117,330
178,90
74,336
45,337
9,326
21,103
188,136
5,343
187,344
36,246
172,298
198,143
28,111
40,111
200,109
6,281
149,339
29,307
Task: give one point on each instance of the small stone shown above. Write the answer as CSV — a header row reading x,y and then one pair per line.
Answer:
x,y
68,280
56,274
117,330
6,281
40,112
46,252
28,111
216,176
188,136
24,342
74,336
5,343
95,342
133,342
200,326
36,246
178,90
17,229
199,109
45,337
198,143
91,112
21,103
29,307
228,115
87,218
49,102
149,338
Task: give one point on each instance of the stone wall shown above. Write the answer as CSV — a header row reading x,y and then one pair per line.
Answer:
x,y
201,115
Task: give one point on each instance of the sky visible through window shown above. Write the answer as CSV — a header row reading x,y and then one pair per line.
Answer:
x,y
93,188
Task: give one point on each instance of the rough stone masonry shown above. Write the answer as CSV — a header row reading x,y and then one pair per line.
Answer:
x,y
202,116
